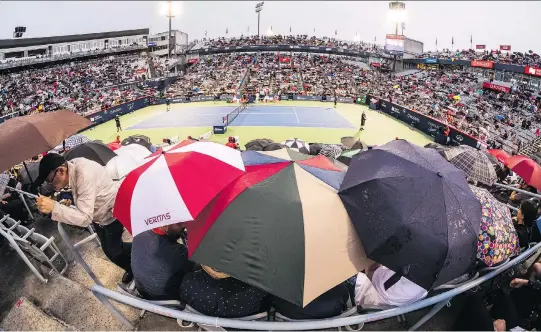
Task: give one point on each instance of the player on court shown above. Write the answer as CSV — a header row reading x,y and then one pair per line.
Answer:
x,y
168,103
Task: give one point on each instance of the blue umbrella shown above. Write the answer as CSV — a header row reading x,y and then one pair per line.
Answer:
x,y
414,212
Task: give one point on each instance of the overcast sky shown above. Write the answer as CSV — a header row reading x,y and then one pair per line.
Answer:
x,y
491,23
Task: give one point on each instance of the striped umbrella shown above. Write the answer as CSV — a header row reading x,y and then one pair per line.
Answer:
x,y
176,185
297,144
280,227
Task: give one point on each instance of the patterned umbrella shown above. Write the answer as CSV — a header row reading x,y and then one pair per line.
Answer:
x,y
75,140
136,140
473,162
297,145
280,227
331,151
498,239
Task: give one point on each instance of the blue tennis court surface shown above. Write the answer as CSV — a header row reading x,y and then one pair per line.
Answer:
x,y
271,116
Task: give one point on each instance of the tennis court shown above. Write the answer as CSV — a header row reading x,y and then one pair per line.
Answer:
x,y
254,116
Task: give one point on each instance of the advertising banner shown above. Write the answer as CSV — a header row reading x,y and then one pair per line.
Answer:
x,y
273,48
496,87
346,100
310,98
480,47
201,98
482,64
505,47
424,123
110,113
226,97
532,71
431,60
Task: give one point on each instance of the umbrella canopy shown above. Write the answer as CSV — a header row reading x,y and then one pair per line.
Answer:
x,y
473,162
136,140
346,156
176,185
438,147
135,151
331,151
75,140
274,147
353,143
297,145
498,239
258,144
413,211
114,146
501,155
91,151
527,169
280,227
120,166
315,148
24,137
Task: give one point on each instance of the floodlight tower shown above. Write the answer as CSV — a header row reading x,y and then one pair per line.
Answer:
x,y
258,9
396,14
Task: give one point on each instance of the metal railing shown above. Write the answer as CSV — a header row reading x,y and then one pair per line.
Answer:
x,y
438,301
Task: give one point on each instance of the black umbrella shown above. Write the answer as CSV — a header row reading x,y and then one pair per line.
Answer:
x,y
136,140
273,147
258,144
414,212
93,151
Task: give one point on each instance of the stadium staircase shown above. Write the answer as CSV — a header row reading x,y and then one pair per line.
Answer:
x,y
301,78
532,148
65,302
151,68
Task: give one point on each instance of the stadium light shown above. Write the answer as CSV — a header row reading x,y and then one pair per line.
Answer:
x,y
258,9
397,15
269,32
170,9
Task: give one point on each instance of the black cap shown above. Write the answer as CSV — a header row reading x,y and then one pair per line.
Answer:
x,y
49,163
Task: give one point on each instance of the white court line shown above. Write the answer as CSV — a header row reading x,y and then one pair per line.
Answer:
x,y
295,111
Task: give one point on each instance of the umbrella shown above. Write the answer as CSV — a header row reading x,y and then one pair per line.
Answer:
x,y
297,145
273,147
498,239
473,162
315,148
114,145
258,144
280,227
353,143
135,151
24,137
332,151
120,166
75,140
413,211
346,156
496,164
91,151
501,155
527,169
135,140
176,185
440,148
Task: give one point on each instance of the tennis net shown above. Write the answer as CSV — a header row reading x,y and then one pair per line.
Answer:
x,y
231,116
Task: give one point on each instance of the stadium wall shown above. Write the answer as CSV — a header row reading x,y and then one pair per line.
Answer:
x,y
424,123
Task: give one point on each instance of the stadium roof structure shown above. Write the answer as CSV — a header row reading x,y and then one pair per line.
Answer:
x,y
26,42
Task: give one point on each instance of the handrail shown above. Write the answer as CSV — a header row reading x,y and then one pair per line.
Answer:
x,y
525,192
316,324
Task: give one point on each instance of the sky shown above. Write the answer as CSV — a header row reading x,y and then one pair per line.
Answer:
x,y
514,23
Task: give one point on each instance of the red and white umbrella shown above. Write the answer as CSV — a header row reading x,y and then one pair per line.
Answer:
x,y
176,185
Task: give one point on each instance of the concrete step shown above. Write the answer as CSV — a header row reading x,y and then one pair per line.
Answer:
x,y
76,305
25,316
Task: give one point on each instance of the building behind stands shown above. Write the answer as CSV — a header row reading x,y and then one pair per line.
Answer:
x,y
12,49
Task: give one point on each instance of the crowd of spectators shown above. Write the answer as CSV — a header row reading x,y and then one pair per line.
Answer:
x,y
457,98
518,58
289,40
79,86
